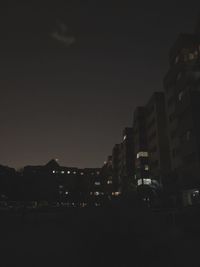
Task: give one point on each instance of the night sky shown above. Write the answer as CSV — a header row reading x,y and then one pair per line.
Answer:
x,y
72,73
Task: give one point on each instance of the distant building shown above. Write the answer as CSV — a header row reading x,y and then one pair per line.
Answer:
x,y
157,139
182,89
126,160
116,165
151,148
141,153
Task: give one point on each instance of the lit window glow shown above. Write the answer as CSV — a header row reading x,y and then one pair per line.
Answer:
x,y
146,167
109,182
125,137
139,182
54,171
68,172
116,194
147,181
142,154
97,183
96,193
62,172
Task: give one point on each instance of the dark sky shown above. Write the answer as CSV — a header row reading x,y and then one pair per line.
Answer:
x,y
72,101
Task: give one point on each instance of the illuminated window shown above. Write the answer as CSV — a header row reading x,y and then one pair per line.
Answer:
x,y
97,183
139,182
66,193
62,172
147,181
146,167
82,173
109,182
96,193
142,154
60,186
54,171
74,172
125,137
98,173
68,172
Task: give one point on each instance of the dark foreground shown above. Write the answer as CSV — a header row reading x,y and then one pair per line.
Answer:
x,y
100,237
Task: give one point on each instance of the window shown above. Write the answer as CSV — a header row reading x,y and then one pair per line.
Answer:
x,y
68,172
139,182
62,172
142,154
147,181
191,56
97,183
146,167
125,137
180,95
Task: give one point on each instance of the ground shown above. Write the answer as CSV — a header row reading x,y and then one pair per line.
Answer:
x,y
117,237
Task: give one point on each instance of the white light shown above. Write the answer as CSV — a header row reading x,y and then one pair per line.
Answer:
x,y
74,172
62,172
61,186
82,173
54,171
97,183
66,193
147,181
146,167
142,154
96,193
68,172
139,182
125,137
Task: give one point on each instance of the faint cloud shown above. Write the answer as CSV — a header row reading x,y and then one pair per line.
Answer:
x,y
61,35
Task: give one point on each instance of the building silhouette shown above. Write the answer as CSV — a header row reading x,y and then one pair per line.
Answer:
x,y
182,89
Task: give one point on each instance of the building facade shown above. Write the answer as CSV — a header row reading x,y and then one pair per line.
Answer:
x,y
182,89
